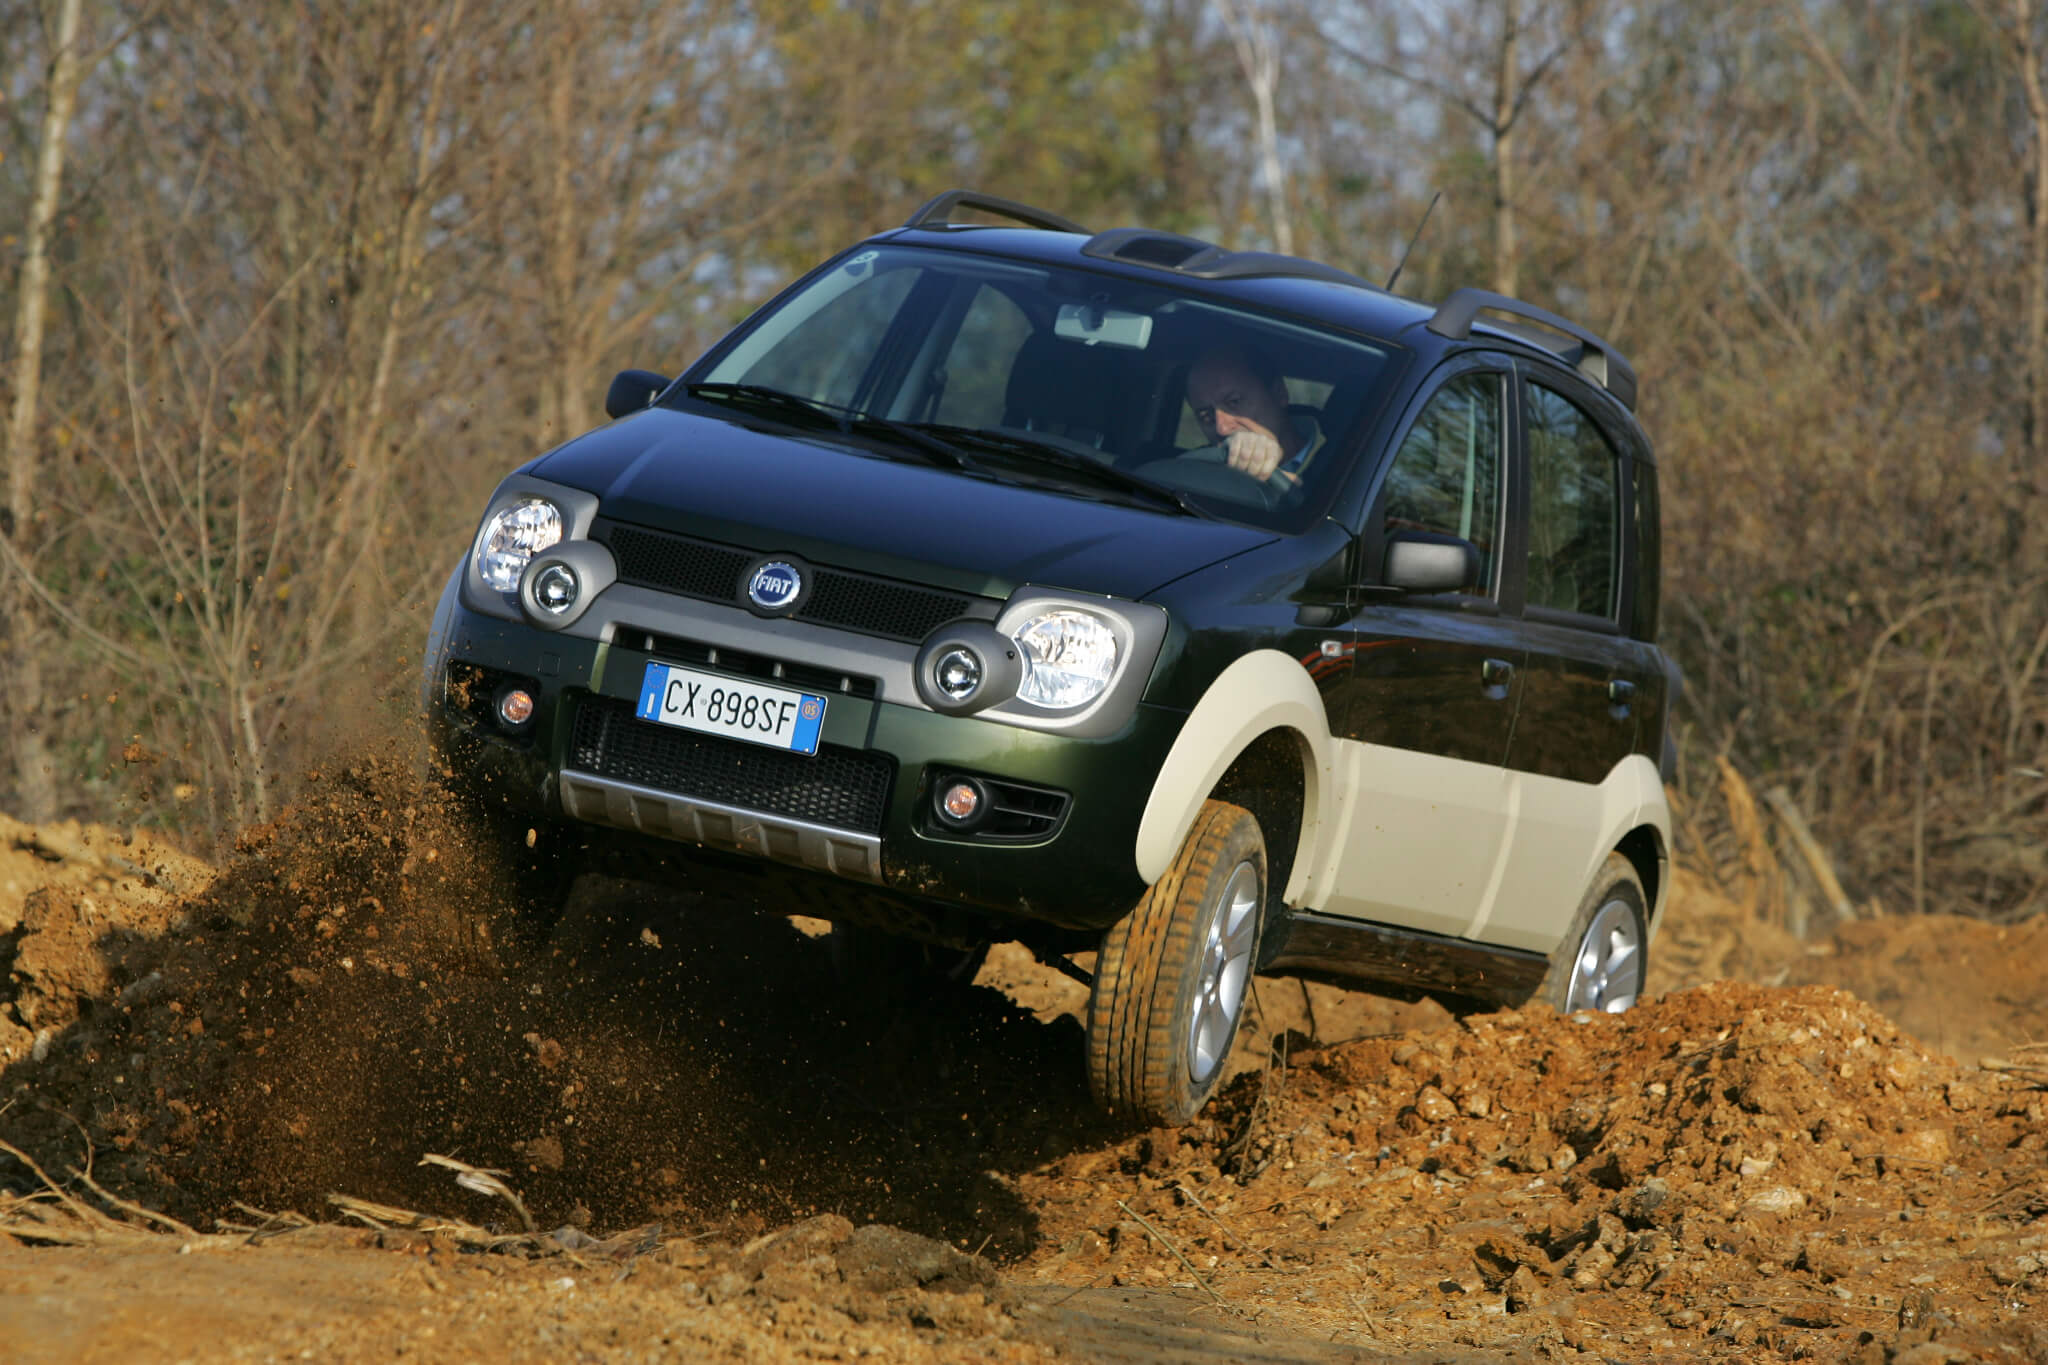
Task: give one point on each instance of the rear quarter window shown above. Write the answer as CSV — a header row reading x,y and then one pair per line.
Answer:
x,y
1574,509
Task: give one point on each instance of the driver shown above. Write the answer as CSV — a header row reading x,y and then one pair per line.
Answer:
x,y
1240,400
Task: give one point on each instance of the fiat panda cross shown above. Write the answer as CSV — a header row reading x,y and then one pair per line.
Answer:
x,y
947,598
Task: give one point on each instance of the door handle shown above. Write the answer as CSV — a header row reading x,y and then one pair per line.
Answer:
x,y
1496,672
1620,691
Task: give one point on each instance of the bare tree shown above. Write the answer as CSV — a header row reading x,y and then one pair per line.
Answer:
x,y
2016,24
636,175
1495,36
35,783
1255,39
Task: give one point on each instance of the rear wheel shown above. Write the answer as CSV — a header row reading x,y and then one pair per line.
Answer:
x,y
1173,975
1604,958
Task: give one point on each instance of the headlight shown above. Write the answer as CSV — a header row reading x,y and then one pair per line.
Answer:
x,y
513,538
1070,656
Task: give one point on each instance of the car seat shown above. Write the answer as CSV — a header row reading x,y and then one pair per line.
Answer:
x,y
1068,390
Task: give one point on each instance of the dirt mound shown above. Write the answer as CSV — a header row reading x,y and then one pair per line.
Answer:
x,y
1734,1098
1730,1168
73,899
129,865
1967,987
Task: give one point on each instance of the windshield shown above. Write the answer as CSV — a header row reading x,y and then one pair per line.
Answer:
x,y
1027,367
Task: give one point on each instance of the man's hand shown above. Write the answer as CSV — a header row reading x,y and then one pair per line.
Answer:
x,y
1254,453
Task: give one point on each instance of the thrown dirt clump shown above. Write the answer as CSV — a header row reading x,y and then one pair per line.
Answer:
x,y
345,998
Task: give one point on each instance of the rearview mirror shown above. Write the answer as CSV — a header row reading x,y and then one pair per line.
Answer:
x,y
631,391
1096,326
1424,561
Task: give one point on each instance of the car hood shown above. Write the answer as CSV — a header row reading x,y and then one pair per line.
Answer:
x,y
838,504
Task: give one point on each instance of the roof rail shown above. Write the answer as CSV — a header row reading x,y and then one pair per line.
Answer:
x,y
1592,357
1207,261
938,212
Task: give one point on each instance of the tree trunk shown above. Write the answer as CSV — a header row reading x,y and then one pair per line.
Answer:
x,y
1258,57
1506,255
35,790
2029,59
569,408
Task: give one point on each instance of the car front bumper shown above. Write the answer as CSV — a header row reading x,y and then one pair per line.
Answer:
x,y
858,812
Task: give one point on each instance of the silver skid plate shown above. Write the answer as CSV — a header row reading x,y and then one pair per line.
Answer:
x,y
665,815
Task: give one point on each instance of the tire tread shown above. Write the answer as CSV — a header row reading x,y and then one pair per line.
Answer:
x,y
1133,1049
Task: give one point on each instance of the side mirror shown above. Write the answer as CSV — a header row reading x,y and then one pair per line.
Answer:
x,y
1423,561
631,391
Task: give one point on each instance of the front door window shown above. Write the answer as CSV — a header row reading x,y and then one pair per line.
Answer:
x,y
1446,475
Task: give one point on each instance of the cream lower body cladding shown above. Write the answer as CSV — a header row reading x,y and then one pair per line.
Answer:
x,y
1399,837
1472,850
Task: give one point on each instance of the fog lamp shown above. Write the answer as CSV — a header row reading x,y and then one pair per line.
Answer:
x,y
554,588
515,708
960,803
958,672
967,666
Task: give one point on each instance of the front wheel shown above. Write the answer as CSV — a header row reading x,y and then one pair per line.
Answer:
x,y
1173,975
1604,957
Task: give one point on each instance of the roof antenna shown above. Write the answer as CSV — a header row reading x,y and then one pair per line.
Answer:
x,y
1401,264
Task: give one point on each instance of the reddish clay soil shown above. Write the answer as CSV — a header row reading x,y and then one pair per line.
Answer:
x,y
1794,1150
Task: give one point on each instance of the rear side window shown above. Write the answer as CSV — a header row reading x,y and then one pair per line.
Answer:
x,y
1574,508
1446,476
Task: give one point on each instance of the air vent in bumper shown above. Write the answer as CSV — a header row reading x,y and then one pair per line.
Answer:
x,y
841,788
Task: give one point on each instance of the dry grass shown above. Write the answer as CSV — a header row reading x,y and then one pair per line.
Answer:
x,y
82,1213
52,1214
2028,1064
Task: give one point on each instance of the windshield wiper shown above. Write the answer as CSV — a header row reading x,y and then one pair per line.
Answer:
x,y
848,421
1044,452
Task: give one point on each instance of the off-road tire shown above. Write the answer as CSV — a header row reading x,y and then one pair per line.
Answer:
x,y
1148,975
1620,956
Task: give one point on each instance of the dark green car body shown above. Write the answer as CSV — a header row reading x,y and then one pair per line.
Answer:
x,y
678,502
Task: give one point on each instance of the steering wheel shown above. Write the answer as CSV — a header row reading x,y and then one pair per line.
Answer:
x,y
1218,480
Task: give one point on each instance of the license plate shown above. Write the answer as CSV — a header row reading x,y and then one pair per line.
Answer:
x,y
717,705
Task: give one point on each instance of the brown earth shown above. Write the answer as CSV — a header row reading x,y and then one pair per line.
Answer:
x,y
725,1153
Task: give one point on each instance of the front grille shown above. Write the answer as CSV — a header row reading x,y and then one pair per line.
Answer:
x,y
879,607
694,568
850,601
842,788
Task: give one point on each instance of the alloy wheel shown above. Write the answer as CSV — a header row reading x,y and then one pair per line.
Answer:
x,y
1225,972
1607,974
